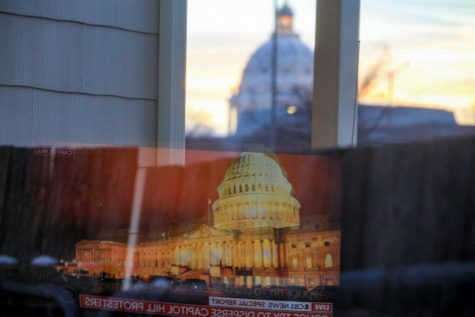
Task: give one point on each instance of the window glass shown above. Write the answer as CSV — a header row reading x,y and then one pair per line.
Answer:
x,y
417,60
245,86
105,211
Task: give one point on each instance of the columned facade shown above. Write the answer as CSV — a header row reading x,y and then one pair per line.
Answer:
x,y
302,258
256,238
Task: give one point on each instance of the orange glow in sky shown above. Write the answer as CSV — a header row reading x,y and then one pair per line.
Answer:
x,y
427,49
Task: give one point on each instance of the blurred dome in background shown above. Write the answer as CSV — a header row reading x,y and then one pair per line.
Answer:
x,y
251,105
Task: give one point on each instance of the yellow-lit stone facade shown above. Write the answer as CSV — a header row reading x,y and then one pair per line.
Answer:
x,y
102,256
256,238
255,194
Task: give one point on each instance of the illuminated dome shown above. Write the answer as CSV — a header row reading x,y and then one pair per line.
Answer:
x,y
255,193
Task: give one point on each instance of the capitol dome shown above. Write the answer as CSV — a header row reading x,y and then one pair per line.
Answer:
x,y
255,193
294,72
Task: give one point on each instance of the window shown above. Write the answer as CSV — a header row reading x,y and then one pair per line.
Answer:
x,y
267,281
403,85
186,212
228,96
328,261
295,262
308,262
249,283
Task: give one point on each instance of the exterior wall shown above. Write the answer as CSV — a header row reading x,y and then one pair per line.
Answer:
x,y
153,259
78,72
314,257
98,257
135,15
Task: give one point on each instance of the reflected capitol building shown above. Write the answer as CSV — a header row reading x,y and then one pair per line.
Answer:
x,y
257,238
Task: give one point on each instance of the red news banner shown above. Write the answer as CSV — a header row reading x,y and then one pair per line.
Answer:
x,y
218,307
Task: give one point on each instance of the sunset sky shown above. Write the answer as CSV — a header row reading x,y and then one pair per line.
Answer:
x,y
428,46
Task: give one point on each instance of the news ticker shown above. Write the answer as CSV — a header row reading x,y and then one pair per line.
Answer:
x,y
218,307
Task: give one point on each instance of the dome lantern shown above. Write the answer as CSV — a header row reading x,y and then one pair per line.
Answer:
x,y
285,20
255,193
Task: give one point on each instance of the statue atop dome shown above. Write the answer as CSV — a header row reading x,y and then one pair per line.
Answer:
x,y
285,20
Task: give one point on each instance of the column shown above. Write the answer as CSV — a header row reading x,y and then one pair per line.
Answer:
x,y
275,255
219,254
334,112
206,255
242,252
249,250
235,254
266,252
283,248
192,251
181,256
214,253
199,255
171,84
258,253
225,253
228,250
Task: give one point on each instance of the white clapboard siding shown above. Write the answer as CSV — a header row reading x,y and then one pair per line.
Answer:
x,y
32,117
136,15
72,57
